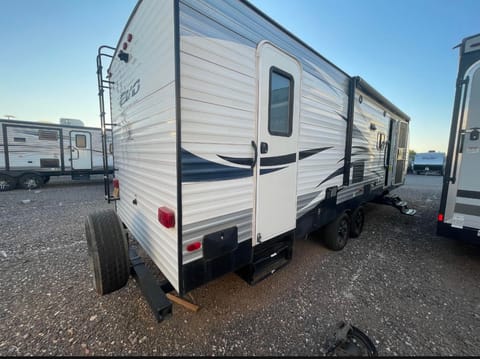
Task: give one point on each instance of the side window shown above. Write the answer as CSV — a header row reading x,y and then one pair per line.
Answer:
x,y
81,141
280,103
47,135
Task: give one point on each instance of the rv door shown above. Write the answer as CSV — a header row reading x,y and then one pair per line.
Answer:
x,y
81,150
277,137
402,153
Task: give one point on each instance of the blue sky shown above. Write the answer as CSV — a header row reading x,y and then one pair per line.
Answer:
x,y
402,48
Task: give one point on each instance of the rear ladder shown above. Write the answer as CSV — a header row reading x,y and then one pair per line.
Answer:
x,y
102,85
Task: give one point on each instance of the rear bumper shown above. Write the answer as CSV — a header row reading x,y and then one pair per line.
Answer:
x,y
465,234
431,168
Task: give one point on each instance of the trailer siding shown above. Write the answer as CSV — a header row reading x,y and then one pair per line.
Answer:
x,y
143,110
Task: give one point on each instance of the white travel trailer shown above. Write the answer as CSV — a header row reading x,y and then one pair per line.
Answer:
x,y
231,138
459,214
32,152
429,162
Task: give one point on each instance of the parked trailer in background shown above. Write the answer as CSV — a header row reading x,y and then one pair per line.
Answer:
x,y
459,214
429,162
231,138
32,152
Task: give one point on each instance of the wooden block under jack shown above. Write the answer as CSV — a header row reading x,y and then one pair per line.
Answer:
x,y
183,302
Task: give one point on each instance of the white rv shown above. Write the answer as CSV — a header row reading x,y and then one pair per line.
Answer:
x,y
231,138
32,152
429,162
459,214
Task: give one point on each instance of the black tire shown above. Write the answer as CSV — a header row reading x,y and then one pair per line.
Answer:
x,y
7,183
30,181
336,233
357,220
108,251
46,179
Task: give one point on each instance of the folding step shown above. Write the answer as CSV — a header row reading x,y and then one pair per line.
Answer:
x,y
268,258
395,201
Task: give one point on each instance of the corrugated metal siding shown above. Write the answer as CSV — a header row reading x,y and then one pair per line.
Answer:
x,y
364,147
145,135
322,125
219,106
218,89
27,154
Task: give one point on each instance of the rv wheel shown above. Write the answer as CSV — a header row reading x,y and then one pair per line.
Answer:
x,y
30,181
108,251
336,233
46,179
357,220
7,183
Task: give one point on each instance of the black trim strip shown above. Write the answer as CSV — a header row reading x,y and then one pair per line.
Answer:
x,y
307,153
197,169
467,209
468,194
264,171
179,219
5,146
349,134
338,172
278,160
238,161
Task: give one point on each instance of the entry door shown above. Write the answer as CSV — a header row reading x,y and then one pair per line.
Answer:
x,y
81,150
402,154
277,137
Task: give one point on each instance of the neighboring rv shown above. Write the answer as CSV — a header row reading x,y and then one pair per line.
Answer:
x,y
459,214
429,162
32,152
231,138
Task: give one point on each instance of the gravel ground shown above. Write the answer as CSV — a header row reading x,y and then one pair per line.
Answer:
x,y
412,292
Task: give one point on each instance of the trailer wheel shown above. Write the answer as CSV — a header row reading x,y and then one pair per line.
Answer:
x,y
7,183
108,251
336,233
30,181
357,220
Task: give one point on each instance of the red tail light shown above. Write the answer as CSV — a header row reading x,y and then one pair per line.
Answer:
x,y
166,217
194,246
116,183
440,217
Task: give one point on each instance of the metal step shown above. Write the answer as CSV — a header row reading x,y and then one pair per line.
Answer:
x,y
395,201
268,259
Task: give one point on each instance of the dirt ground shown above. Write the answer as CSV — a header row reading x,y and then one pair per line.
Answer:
x,y
412,292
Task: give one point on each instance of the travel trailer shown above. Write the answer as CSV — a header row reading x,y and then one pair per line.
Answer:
x,y
232,137
459,214
429,162
32,152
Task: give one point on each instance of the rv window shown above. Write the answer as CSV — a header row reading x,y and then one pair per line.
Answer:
x,y
47,135
19,139
110,148
81,141
280,103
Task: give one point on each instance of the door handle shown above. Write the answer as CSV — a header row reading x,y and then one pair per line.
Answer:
x,y
263,147
78,153
254,160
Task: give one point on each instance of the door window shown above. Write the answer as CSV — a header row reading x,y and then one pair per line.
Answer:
x,y
280,103
81,141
